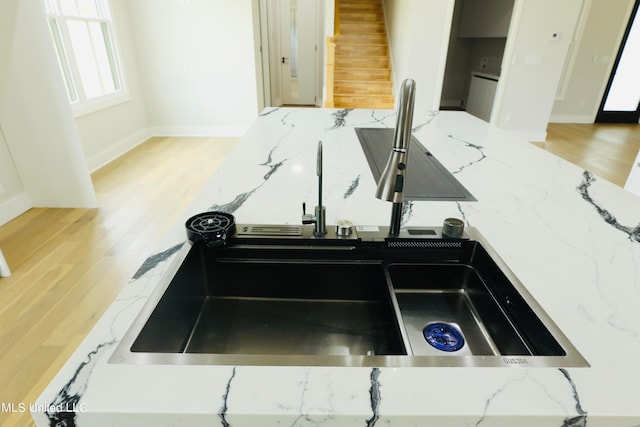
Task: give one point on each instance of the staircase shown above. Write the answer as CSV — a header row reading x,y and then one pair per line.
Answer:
x,y
362,73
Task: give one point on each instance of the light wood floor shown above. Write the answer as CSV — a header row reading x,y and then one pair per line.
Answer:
x,y
607,150
69,264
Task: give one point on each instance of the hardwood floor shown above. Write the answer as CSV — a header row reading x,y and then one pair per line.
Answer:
x,y
69,264
608,150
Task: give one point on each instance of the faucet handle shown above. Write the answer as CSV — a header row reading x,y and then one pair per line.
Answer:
x,y
307,218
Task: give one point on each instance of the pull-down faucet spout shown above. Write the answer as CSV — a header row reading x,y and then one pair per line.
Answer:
x,y
391,182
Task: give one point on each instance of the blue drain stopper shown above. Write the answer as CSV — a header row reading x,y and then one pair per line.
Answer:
x,y
443,336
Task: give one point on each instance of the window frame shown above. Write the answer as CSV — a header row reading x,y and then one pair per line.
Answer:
x,y
57,23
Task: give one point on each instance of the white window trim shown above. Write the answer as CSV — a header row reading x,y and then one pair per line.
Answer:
x,y
86,106
102,103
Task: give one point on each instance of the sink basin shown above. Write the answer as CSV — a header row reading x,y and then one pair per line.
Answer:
x,y
367,300
275,306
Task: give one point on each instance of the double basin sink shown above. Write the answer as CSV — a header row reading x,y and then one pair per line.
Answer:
x,y
282,297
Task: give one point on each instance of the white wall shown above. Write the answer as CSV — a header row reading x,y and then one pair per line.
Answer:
x,y
10,184
13,199
418,32
36,118
526,97
595,56
190,68
198,78
528,85
197,65
108,133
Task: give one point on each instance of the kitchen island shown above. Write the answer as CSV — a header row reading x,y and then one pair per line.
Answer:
x,y
572,239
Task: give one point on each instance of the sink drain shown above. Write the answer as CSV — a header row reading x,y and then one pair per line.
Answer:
x,y
443,336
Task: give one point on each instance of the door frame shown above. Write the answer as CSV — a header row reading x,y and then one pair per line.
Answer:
x,y
620,116
269,51
507,60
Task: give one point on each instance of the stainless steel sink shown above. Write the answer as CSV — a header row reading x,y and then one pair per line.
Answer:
x,y
286,298
275,306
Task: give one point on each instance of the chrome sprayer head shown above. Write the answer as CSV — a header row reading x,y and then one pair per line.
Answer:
x,y
391,182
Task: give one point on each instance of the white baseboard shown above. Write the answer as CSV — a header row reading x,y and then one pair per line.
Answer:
x,y
4,267
21,203
117,150
571,118
110,154
232,131
14,207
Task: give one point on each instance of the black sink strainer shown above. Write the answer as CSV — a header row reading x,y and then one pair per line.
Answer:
x,y
211,228
443,336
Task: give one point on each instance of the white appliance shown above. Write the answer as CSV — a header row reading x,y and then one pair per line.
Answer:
x,y
482,92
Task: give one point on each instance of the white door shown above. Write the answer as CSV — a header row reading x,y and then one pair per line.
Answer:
x,y
298,51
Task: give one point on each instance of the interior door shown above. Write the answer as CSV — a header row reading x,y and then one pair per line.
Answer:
x,y
621,103
298,49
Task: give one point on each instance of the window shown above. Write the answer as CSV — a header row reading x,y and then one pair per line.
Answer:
x,y
83,39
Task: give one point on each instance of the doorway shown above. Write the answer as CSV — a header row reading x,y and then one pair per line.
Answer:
x,y
294,31
475,54
621,101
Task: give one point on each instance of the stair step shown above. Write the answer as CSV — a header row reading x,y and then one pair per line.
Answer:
x,y
362,38
366,74
362,78
361,49
352,61
351,101
351,87
359,5
361,27
361,16
360,8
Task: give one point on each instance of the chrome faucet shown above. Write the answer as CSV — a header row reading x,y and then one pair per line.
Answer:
x,y
392,179
319,220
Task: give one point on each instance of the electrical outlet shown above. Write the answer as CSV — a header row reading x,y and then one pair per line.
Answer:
x,y
484,61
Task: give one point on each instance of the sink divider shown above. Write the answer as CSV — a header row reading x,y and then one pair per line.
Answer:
x,y
398,313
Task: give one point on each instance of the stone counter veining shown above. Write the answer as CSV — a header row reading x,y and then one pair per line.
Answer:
x,y
571,238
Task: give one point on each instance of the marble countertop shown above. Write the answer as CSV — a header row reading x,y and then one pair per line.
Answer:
x,y
571,238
